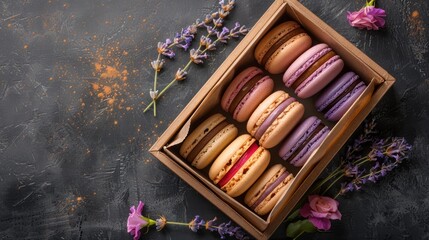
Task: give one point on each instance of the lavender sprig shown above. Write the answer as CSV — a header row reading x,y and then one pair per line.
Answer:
x,y
198,55
184,40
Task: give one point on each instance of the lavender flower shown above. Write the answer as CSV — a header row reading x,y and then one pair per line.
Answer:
x,y
180,75
161,222
185,37
223,36
196,223
351,170
164,48
227,6
157,64
238,30
196,56
398,149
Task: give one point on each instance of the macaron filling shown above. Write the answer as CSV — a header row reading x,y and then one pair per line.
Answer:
x,y
279,43
234,169
336,99
269,189
310,70
206,139
304,140
244,90
272,117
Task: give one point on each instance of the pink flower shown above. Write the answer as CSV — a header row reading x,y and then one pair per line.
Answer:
x,y
368,17
136,221
320,210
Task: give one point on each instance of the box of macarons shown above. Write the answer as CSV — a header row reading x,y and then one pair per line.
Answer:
x,y
272,116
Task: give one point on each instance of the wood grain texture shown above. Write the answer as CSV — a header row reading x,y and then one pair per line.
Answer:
x,y
74,80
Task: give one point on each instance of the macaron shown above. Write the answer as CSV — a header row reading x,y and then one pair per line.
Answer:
x,y
337,98
266,192
281,46
249,88
313,70
206,141
303,141
239,165
274,118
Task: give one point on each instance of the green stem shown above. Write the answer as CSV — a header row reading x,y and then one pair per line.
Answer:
x,y
332,184
299,235
178,223
154,85
370,3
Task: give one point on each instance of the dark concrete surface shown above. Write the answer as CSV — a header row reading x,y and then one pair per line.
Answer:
x,y
72,162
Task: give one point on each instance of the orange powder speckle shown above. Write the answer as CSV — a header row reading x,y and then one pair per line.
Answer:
x,y
115,122
98,67
110,72
415,14
95,86
51,78
107,90
79,199
111,101
25,46
100,95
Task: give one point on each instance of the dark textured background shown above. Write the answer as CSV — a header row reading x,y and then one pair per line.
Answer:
x,y
72,162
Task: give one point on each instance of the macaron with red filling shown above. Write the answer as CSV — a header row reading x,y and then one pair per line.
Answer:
x,y
266,192
303,141
274,118
338,97
313,70
249,88
239,165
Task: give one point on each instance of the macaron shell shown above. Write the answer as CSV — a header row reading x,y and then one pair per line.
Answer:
x,y
248,174
320,78
198,133
215,146
250,101
299,137
230,156
262,89
303,62
334,90
287,53
259,187
237,83
341,107
283,124
302,157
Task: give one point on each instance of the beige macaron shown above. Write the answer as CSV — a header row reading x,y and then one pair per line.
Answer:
x,y
281,46
206,141
274,118
266,192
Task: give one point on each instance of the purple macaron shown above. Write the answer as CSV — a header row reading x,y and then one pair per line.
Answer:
x,y
337,98
306,138
313,70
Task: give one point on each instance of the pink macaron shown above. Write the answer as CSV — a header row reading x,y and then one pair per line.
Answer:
x,y
249,88
337,98
313,70
303,141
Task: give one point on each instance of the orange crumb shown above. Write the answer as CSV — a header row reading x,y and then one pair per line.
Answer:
x,y
51,78
25,46
100,95
115,122
110,72
79,199
111,101
415,14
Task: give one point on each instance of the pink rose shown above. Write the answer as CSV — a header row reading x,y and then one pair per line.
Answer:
x,y
368,17
320,210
